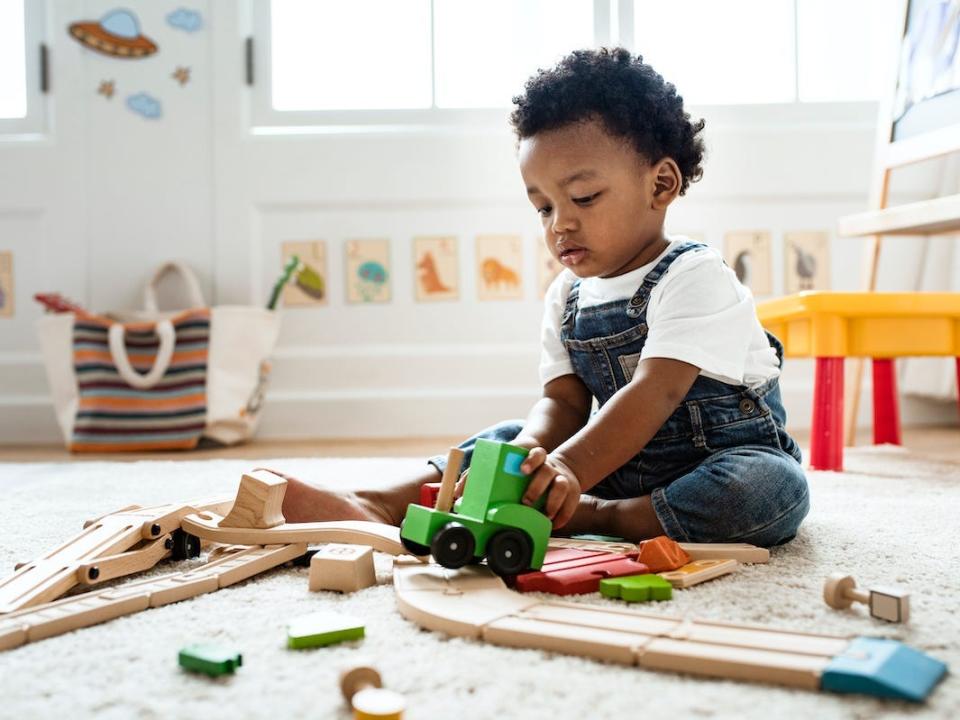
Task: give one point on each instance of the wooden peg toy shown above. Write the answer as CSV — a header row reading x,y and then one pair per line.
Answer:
x,y
886,603
363,690
322,628
211,660
346,568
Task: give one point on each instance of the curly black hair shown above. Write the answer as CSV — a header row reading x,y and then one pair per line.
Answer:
x,y
625,94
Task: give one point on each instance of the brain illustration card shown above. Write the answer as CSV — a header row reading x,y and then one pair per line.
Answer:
x,y
436,268
806,259
499,267
308,286
548,267
748,253
368,271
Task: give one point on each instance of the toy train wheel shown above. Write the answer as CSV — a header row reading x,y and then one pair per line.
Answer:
x,y
185,545
414,548
509,552
453,545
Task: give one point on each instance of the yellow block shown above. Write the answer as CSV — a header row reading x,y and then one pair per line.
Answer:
x,y
867,324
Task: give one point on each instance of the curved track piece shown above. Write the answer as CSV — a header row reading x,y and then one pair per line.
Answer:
x,y
474,603
385,538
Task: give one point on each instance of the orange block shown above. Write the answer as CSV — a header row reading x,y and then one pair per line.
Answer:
x,y
661,554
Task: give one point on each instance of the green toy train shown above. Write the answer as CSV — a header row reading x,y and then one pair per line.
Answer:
x,y
489,521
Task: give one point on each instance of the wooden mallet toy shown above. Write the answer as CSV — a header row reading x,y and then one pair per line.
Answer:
x,y
886,603
362,688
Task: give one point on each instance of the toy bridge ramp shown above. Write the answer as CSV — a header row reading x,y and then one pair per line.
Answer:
x,y
475,603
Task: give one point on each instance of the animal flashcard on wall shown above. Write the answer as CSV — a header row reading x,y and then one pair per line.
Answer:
x,y
116,34
437,268
806,258
368,271
748,253
548,267
6,283
499,267
313,254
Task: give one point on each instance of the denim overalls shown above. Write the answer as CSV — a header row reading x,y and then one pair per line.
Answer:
x,y
721,468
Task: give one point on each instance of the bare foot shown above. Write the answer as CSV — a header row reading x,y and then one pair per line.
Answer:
x,y
308,503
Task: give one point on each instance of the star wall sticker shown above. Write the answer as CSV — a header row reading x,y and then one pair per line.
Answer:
x,y
106,89
181,75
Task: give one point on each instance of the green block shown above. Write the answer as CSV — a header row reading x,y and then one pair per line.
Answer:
x,y
637,588
211,660
322,628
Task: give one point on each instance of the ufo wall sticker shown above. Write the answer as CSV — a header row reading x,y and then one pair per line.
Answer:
x,y
117,34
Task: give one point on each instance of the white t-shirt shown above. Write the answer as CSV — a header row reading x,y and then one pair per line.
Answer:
x,y
698,313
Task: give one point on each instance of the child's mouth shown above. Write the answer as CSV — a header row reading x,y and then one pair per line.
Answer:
x,y
573,256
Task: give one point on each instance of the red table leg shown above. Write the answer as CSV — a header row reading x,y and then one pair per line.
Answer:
x,y
826,438
886,415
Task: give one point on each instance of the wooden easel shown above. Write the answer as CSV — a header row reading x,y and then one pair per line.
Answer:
x,y
928,217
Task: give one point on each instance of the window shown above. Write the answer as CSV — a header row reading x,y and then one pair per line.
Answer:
x,y
413,61
20,94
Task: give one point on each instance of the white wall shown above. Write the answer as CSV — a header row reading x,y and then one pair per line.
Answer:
x,y
92,206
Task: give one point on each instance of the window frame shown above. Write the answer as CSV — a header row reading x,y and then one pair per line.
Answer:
x,y
613,23
35,36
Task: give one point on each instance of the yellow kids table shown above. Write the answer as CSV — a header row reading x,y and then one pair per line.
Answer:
x,y
831,326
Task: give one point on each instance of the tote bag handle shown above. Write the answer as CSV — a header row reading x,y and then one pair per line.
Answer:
x,y
118,352
195,295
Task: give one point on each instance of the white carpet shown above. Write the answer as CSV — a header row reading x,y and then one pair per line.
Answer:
x,y
891,518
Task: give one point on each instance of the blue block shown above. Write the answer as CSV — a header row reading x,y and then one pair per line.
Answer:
x,y
885,668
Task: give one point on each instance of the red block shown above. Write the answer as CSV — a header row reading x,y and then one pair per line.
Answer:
x,y
567,575
428,494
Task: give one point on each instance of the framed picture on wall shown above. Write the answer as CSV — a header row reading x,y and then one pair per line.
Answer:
x,y
927,96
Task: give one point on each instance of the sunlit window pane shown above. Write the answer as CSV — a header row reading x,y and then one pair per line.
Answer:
x,y
361,54
485,50
844,48
734,51
13,72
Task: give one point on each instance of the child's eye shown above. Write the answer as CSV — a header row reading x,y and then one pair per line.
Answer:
x,y
544,211
586,200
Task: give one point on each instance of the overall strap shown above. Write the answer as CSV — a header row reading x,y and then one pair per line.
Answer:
x,y
638,303
570,310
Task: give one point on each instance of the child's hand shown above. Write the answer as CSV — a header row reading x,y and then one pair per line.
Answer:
x,y
551,474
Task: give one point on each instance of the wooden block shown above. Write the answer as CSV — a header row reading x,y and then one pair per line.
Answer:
x,y
212,660
429,493
323,628
741,552
637,588
890,604
595,545
259,502
346,568
661,554
698,571
575,577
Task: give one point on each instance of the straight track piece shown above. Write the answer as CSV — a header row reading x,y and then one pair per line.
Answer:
x,y
72,613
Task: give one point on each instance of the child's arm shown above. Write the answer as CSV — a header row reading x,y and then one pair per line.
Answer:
x,y
621,429
562,411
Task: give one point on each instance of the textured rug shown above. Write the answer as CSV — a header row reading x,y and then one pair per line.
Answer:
x,y
890,518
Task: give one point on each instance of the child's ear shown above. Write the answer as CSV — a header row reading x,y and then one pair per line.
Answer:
x,y
666,183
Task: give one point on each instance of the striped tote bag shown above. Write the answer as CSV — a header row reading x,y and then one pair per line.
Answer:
x,y
158,381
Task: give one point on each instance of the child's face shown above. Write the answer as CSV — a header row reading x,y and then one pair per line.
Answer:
x,y
597,197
